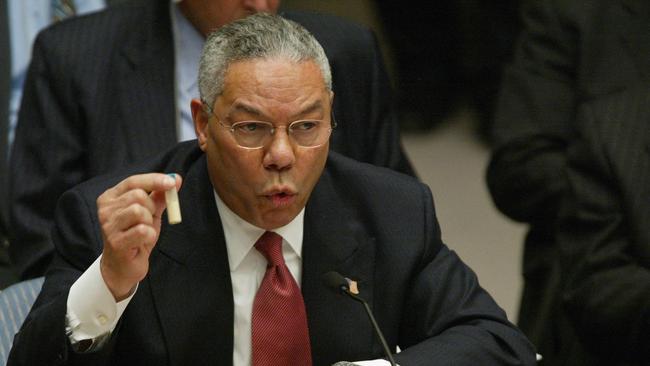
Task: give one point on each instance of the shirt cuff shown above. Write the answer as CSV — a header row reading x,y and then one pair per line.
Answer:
x,y
91,308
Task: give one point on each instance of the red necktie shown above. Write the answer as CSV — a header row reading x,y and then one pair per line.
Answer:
x,y
280,335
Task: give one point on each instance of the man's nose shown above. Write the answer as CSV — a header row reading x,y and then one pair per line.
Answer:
x,y
280,153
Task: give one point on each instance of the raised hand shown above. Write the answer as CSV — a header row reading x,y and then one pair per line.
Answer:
x,y
130,217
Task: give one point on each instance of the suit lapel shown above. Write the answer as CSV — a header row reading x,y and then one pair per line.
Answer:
x,y
334,240
190,278
636,33
145,72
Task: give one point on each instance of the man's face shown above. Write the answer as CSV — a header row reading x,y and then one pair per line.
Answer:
x,y
209,15
267,186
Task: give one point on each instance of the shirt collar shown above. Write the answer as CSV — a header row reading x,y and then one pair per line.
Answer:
x,y
241,235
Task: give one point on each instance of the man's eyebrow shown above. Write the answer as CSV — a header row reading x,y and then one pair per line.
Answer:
x,y
316,106
245,108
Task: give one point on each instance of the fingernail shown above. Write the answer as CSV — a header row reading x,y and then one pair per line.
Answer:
x,y
171,178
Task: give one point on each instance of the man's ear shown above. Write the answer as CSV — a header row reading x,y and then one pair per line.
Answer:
x,y
201,119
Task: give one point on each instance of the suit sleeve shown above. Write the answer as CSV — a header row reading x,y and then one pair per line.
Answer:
x,y
607,289
450,319
47,157
42,340
534,115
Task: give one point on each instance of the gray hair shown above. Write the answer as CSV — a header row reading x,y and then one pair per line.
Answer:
x,y
257,36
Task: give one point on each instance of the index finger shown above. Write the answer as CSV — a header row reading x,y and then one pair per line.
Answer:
x,y
148,182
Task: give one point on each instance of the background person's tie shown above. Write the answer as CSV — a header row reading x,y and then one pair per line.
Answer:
x,y
279,325
62,9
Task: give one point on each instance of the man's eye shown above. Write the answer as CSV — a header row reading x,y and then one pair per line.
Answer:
x,y
249,127
305,125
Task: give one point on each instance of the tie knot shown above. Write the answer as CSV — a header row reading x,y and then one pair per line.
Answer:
x,y
270,245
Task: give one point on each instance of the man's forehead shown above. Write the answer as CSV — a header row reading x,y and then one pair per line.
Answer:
x,y
249,82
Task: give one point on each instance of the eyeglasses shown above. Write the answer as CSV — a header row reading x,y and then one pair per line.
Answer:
x,y
257,134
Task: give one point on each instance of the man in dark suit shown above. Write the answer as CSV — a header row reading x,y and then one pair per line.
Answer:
x,y
80,114
569,52
183,294
604,234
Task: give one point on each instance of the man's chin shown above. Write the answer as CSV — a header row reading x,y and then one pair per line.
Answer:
x,y
278,218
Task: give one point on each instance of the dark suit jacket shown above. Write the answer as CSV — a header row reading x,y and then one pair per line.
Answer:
x,y
5,94
604,232
368,223
6,275
570,51
100,93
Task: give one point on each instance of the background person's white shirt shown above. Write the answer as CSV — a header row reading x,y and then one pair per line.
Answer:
x,y
188,46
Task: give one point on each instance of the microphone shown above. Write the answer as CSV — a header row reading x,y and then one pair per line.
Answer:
x,y
337,282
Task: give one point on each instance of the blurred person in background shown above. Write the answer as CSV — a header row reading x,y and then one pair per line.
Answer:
x,y
20,21
603,232
569,52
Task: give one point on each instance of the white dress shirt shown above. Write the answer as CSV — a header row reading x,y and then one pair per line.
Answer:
x,y
247,268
